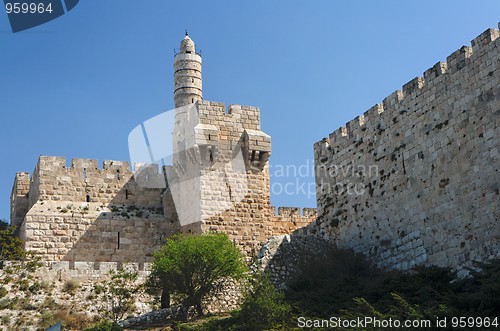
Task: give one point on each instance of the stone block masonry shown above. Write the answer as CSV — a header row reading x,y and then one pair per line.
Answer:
x,y
83,213
415,180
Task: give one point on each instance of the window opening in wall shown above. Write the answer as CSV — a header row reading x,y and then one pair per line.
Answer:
x,y
118,240
253,156
88,198
118,174
126,194
211,155
85,173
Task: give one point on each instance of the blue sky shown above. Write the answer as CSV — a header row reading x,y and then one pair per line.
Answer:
x,y
77,86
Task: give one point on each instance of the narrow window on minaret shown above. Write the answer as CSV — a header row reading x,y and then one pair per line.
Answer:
x,y
211,155
126,194
192,100
88,198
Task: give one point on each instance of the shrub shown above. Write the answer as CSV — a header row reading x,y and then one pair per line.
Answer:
x,y
3,292
5,303
325,284
11,247
192,266
73,321
115,298
264,307
70,286
5,320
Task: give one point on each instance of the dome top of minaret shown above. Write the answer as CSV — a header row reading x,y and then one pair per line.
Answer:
x,y
187,45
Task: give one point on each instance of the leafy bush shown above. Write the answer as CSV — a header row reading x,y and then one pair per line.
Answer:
x,y
264,308
479,295
115,297
11,248
192,266
345,283
326,284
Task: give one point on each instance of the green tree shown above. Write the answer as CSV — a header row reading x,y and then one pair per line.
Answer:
x,y
193,266
11,247
115,297
264,307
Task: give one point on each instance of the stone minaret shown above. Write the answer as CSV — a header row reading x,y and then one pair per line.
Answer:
x,y
187,74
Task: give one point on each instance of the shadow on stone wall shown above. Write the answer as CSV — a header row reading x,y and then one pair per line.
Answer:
x,y
282,256
128,229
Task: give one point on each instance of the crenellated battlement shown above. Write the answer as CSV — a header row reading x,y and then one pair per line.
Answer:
x,y
59,163
247,117
293,211
83,181
393,106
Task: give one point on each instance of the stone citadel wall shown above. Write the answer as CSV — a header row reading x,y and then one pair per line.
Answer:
x,y
84,213
415,180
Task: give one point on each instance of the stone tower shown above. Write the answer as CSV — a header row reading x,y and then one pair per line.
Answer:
x,y
187,74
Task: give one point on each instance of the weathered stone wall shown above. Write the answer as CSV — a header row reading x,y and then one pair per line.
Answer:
x,y
283,257
83,213
415,179
94,233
